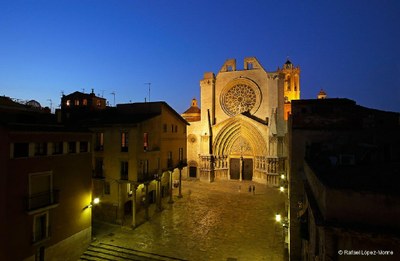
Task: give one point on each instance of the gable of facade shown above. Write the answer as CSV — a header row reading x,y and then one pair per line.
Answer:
x,y
242,127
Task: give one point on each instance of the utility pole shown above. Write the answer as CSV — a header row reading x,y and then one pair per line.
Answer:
x,y
113,93
149,83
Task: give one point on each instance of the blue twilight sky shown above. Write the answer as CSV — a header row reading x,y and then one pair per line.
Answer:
x,y
351,49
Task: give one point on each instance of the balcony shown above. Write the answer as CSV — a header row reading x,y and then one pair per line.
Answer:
x,y
44,200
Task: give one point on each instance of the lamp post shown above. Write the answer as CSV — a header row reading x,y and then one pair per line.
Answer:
x,y
158,196
170,201
180,179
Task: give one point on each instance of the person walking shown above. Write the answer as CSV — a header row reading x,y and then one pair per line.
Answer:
x,y
254,189
250,188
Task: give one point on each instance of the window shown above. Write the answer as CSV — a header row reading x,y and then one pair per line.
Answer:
x,y
41,227
83,146
169,160
107,188
172,127
68,103
58,148
124,170
72,147
84,102
76,102
98,168
98,103
176,128
40,190
40,148
165,127
21,150
124,141
145,141
99,143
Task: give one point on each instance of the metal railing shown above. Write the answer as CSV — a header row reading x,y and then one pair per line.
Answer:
x,y
43,199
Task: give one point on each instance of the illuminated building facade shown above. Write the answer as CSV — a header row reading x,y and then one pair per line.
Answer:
x,y
137,148
45,185
239,132
343,180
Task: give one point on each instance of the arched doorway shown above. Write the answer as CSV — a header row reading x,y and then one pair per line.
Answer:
x,y
239,141
192,169
128,207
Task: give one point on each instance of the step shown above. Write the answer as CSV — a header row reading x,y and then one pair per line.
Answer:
x,y
104,251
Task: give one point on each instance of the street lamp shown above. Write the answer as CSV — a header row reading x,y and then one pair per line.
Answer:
x,y
180,167
96,201
278,218
170,201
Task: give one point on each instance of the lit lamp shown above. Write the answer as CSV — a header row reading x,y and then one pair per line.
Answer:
x,y
94,202
278,218
282,176
282,189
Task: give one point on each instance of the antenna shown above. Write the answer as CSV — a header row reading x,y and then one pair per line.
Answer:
x,y
113,93
102,93
51,104
149,83
83,90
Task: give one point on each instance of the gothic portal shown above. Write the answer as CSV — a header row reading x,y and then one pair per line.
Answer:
x,y
240,131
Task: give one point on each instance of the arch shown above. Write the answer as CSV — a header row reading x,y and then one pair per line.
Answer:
x,y
234,130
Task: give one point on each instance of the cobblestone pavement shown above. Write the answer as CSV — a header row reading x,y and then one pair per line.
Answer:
x,y
213,221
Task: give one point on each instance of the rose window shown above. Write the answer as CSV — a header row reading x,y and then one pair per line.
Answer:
x,y
240,98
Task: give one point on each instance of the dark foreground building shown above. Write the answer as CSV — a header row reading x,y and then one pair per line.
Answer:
x,y
45,185
343,182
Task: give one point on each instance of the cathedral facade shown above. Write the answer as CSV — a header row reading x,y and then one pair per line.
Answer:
x,y
240,130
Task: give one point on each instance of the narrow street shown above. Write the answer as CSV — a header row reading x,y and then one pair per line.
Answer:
x,y
217,221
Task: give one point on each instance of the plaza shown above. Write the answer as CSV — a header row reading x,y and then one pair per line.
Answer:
x,y
212,221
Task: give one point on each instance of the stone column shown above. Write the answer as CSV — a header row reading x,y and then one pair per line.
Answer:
x,y
146,202
134,205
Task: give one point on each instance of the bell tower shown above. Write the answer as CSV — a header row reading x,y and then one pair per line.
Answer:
x,y
291,85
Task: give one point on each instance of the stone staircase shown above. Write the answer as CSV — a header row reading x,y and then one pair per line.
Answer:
x,y
103,251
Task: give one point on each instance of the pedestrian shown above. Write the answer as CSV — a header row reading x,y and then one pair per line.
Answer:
x,y
254,189
250,188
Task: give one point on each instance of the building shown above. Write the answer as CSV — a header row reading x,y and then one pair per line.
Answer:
x,y
45,185
239,132
137,149
344,171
